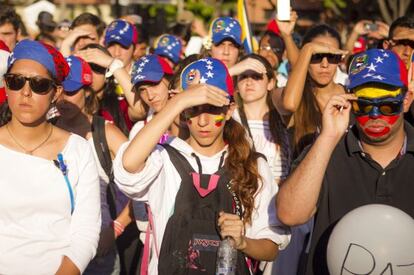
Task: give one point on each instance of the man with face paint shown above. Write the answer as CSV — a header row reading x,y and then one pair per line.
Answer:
x,y
369,163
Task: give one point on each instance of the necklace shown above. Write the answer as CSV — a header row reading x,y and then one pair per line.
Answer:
x,y
26,151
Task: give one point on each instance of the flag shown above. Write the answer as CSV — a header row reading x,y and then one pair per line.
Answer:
x,y
243,18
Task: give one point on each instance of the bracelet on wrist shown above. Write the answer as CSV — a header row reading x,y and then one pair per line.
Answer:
x,y
118,228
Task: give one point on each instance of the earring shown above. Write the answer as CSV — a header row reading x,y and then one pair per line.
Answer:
x,y
53,113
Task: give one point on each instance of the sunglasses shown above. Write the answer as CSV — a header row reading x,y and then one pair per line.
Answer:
x,y
404,42
253,75
206,108
269,48
332,58
38,85
97,69
384,106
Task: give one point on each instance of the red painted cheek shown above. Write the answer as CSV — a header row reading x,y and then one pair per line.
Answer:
x,y
219,123
362,120
390,119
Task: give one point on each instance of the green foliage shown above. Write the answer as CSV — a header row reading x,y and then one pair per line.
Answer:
x,y
170,10
200,9
334,4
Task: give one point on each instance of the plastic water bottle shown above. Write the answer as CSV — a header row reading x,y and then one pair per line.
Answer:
x,y
226,257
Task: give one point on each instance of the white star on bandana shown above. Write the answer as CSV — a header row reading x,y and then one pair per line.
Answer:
x,y
372,67
378,77
203,80
378,59
210,74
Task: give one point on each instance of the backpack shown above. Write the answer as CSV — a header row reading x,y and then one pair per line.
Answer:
x,y
191,237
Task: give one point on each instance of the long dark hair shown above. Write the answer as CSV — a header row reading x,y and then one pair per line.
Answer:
x,y
308,117
109,101
276,126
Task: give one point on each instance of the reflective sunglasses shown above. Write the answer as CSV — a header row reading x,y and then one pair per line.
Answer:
x,y
332,58
385,106
38,85
251,74
97,69
269,48
404,42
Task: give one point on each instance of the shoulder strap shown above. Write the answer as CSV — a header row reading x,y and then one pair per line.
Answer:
x,y
180,163
101,145
245,124
104,156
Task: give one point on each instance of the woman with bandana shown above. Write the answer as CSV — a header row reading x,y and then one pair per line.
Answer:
x,y
77,107
218,150
50,203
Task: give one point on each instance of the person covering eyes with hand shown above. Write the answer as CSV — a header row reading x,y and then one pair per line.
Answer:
x,y
208,186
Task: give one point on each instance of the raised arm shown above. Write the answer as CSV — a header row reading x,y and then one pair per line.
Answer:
x,y
286,30
69,41
145,141
293,92
136,110
298,195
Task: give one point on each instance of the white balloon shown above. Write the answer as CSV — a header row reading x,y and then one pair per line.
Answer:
x,y
374,239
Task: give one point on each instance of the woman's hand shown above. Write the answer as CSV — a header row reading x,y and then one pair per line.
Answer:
x,y
381,32
315,48
359,27
247,64
286,27
200,94
232,226
95,56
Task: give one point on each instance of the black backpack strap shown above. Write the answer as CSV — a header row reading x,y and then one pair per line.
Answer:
x,y
104,156
180,163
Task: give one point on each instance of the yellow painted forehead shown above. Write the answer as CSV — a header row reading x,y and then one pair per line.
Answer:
x,y
377,92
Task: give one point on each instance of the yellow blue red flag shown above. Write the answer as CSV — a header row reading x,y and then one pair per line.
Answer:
x,y
243,18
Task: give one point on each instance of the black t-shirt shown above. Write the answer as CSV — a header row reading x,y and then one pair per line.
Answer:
x,y
352,179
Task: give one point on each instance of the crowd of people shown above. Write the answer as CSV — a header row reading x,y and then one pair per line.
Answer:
x,y
121,156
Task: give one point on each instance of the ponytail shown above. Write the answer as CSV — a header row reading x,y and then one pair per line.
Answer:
x,y
241,162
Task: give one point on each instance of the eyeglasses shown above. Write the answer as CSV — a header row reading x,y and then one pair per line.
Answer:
x,y
253,75
97,69
384,106
206,108
332,58
38,85
404,42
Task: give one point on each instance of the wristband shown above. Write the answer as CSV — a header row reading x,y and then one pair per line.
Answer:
x,y
118,228
115,65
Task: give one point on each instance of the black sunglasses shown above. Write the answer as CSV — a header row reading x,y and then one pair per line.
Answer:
x,y
253,75
97,69
38,85
404,42
384,106
332,58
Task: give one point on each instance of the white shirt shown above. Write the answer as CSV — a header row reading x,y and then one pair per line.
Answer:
x,y
36,226
150,185
264,144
